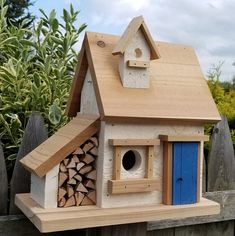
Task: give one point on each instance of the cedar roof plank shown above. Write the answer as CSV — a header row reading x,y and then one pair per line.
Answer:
x,y
61,144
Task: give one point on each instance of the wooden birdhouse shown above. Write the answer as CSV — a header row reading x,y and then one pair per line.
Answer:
x,y
133,149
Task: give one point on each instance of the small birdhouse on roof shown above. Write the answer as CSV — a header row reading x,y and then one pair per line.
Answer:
x,y
133,149
135,49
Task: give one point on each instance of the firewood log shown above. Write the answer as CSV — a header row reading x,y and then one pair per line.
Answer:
x,y
78,198
94,151
61,193
80,165
62,177
72,172
72,181
88,158
87,147
76,159
70,191
62,202
94,140
89,184
66,161
71,164
62,167
91,175
92,196
78,151
78,177
86,201
81,188
70,202
85,169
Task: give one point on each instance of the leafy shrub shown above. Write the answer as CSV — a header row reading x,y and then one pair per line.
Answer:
x,y
224,96
36,69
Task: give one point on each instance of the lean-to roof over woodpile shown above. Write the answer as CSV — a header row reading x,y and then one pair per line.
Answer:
x,y
178,89
52,151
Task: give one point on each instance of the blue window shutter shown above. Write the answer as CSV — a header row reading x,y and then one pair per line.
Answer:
x,y
184,177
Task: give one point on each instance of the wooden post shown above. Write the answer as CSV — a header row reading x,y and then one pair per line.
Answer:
x,y
221,162
35,133
3,184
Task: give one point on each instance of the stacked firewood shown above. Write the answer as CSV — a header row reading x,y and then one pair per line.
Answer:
x,y
77,176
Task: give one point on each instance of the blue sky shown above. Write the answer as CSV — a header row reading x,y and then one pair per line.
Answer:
x,y
207,25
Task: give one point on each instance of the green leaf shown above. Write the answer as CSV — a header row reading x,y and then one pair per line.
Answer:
x,y
55,113
55,25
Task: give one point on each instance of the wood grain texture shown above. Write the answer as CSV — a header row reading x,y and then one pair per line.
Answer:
x,y
49,220
61,144
73,104
167,173
178,90
134,142
218,229
34,134
132,186
117,163
138,64
149,162
226,199
183,138
139,229
221,161
166,98
136,24
3,184
18,225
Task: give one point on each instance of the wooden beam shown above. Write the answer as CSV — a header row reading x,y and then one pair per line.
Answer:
x,y
117,163
73,104
199,173
183,138
138,64
133,186
149,162
61,219
167,173
134,142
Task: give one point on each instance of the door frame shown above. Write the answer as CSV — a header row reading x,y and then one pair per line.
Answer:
x,y
167,163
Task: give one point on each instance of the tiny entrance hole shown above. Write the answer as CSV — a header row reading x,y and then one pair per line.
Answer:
x,y
131,160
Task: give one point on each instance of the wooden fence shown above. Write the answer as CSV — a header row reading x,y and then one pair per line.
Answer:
x,y
218,185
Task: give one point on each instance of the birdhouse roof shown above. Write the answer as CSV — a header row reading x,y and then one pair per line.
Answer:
x,y
136,24
51,152
178,89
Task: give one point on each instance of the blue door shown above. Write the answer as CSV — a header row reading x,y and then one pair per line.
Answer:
x,y
184,177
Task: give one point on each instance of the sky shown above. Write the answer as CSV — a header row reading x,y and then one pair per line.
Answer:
x,y
207,25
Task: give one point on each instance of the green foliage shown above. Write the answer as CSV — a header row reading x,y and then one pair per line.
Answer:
x,y
18,12
224,96
35,73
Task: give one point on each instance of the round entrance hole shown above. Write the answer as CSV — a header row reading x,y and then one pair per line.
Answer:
x,y
138,53
131,160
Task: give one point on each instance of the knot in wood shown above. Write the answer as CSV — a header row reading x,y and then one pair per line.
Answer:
x,y
101,43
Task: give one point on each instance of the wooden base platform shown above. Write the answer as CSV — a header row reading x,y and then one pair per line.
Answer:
x,y
59,219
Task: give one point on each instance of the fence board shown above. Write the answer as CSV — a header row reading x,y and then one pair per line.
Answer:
x,y
20,226
227,205
221,162
3,184
214,229
35,133
139,229
162,232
